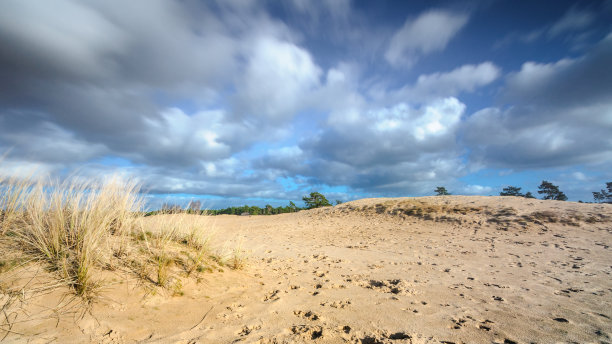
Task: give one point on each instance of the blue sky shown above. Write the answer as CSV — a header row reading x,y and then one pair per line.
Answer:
x,y
257,102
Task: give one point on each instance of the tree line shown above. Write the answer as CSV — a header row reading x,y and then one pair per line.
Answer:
x,y
547,189
314,200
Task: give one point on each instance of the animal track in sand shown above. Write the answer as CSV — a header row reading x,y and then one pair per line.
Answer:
x,y
385,337
337,304
310,315
458,323
246,330
272,296
393,286
307,331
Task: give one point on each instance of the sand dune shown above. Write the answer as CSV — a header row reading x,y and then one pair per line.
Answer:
x,y
449,269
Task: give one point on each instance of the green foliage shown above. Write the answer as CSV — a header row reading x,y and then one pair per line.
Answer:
x,y
511,191
338,202
551,191
515,191
441,191
316,200
604,196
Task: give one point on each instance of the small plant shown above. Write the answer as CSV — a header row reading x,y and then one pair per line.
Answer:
x,y
238,257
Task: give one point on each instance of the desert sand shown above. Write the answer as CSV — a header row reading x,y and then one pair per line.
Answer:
x,y
448,269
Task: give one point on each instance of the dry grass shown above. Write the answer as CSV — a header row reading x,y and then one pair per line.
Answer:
x,y
79,226
72,226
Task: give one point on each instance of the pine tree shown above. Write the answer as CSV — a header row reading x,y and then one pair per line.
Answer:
x,y
511,191
551,191
316,200
441,191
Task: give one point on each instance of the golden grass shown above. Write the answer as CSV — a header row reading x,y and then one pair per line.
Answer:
x,y
72,226
78,226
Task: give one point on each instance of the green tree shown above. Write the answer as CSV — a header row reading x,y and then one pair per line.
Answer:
x,y
604,196
316,200
529,195
551,191
511,191
441,191
338,202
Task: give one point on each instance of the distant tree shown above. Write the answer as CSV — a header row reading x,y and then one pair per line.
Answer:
x,y
551,191
441,191
604,196
292,207
315,200
338,202
529,195
511,191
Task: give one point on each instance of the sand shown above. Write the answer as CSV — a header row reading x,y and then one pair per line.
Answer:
x,y
460,270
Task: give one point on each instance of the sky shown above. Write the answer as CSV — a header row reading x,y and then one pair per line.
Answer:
x,y
262,102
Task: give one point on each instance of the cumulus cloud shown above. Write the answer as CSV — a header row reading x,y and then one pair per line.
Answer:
x,y
278,79
429,32
111,75
190,96
390,150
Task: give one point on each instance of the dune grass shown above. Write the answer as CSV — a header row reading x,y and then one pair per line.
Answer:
x,y
80,225
72,225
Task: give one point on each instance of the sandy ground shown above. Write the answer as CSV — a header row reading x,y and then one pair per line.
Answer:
x,y
459,270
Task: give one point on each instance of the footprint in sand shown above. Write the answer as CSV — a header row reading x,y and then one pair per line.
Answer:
x,y
272,296
310,315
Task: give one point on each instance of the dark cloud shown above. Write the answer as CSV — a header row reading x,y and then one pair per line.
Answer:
x,y
188,97
560,115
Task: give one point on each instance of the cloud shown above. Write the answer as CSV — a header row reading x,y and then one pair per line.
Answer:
x,y
439,85
561,115
429,32
398,149
573,20
278,77
584,80
112,77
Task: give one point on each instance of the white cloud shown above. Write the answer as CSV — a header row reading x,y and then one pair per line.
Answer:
x,y
438,85
474,189
429,32
278,79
